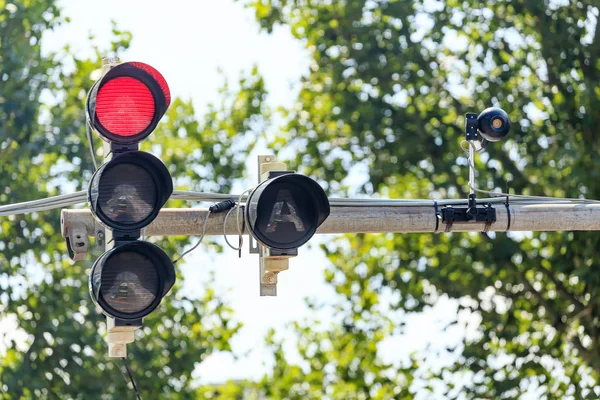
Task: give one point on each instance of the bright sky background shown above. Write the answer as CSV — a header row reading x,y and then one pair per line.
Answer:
x,y
189,41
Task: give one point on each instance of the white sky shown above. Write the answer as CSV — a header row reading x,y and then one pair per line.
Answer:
x,y
188,41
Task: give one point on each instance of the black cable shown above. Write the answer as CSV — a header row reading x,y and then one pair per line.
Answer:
x,y
215,208
507,212
88,132
222,206
199,240
137,394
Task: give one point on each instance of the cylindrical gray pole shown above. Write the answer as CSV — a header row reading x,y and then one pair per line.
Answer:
x,y
372,219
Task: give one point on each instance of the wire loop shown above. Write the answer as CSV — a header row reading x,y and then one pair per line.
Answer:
x,y
199,240
240,232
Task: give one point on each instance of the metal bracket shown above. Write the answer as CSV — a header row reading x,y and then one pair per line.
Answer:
x,y
124,237
471,126
120,333
76,237
485,214
254,247
271,261
117,148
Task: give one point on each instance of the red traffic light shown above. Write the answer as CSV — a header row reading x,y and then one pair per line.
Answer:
x,y
126,105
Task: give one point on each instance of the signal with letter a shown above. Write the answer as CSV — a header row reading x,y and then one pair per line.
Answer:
x,y
284,210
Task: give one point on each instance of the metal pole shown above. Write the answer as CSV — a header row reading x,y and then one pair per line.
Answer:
x,y
471,167
372,219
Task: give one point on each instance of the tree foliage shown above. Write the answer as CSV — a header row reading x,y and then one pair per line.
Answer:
x,y
388,86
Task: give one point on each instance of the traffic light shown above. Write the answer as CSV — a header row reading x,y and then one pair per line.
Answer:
x,y
126,105
129,281
285,210
127,192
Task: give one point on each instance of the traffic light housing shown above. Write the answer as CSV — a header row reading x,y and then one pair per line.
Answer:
x,y
127,192
129,281
126,105
284,211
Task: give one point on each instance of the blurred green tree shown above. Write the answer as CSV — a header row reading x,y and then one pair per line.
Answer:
x,y
388,86
43,152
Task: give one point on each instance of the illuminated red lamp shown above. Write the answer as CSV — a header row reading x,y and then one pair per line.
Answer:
x,y
126,105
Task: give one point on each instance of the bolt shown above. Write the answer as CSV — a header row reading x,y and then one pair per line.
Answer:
x,y
267,158
100,235
271,279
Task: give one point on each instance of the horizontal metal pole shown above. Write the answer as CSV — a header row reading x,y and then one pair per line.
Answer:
x,y
370,219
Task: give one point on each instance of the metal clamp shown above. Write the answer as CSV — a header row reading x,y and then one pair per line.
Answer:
x,y
470,214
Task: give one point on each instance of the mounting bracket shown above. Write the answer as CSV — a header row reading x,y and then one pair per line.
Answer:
x,y
485,214
271,261
120,333
78,242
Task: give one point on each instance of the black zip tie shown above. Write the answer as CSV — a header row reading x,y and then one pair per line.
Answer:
x,y
437,216
508,213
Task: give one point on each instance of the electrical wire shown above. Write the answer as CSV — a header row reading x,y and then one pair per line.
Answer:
x,y
135,389
201,196
50,203
237,214
225,232
240,229
88,132
67,200
199,240
518,196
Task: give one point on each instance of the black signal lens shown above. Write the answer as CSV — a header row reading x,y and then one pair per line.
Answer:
x,y
128,192
129,281
493,124
285,212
